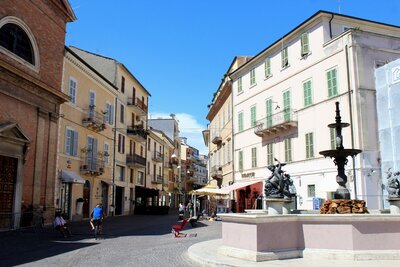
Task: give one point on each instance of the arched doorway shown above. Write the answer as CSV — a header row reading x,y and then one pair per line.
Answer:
x,y
86,199
8,178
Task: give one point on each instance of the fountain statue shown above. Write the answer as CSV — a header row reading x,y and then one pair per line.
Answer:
x,y
393,184
340,155
278,184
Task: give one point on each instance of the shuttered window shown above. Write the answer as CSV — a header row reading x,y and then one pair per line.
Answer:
x,y
288,150
240,121
305,47
267,66
254,157
307,88
284,57
309,145
331,77
253,116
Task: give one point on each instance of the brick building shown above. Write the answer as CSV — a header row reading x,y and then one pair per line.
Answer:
x,y
32,35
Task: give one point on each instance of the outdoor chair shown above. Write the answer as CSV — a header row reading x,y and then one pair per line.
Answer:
x,y
177,228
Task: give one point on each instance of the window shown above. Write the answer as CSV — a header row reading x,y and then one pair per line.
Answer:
x,y
71,142
270,154
131,176
14,39
239,85
106,153
140,177
333,137
229,151
307,88
253,116
148,144
109,116
121,173
305,47
121,144
331,77
288,150
309,145
123,84
72,90
268,113
286,106
148,167
122,114
254,157
284,57
253,77
267,67
240,159
229,110
240,121
311,190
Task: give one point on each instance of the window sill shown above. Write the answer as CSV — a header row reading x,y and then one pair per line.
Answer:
x,y
239,93
267,77
285,67
305,56
253,85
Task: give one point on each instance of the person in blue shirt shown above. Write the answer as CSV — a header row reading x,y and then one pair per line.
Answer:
x,y
97,216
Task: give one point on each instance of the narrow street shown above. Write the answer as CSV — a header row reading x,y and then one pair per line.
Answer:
x,y
137,240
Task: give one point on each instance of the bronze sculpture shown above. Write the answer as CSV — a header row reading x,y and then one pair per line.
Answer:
x,y
278,184
393,184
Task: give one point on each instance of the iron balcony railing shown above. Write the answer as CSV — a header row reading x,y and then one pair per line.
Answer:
x,y
277,122
136,130
135,160
137,102
94,120
216,172
93,166
157,156
217,138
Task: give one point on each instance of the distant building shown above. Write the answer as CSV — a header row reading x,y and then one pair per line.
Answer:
x,y
32,35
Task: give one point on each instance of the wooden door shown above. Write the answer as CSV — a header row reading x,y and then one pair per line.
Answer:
x,y
8,177
86,199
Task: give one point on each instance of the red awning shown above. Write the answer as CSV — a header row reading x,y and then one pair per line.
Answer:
x,y
238,185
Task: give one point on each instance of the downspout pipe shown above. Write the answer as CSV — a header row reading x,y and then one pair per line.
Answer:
x,y
330,26
114,141
351,119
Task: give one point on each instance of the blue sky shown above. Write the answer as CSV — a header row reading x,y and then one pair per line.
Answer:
x,y
180,49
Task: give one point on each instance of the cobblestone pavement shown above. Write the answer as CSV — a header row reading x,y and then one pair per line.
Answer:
x,y
137,240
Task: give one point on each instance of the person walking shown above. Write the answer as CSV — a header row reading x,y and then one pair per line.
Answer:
x,y
181,211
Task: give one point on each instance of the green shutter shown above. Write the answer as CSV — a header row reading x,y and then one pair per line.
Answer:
x,y
305,49
240,121
286,105
288,150
240,160
284,57
253,119
267,67
332,82
254,157
307,93
268,114
239,85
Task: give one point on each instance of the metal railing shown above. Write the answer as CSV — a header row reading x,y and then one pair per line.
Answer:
x,y
285,117
136,130
158,156
135,159
138,103
94,119
92,165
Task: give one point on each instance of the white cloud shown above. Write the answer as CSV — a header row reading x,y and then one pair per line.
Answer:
x,y
189,127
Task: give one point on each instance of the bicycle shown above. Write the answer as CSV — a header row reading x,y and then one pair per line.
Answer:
x,y
97,229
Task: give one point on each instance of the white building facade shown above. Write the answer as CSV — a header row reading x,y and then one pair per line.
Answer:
x,y
284,98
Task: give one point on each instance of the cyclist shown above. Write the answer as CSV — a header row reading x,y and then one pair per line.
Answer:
x,y
97,216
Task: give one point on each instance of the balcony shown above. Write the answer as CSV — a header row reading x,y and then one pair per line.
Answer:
x,y
135,161
158,157
216,172
158,179
137,132
93,120
138,105
279,122
217,140
92,166
174,162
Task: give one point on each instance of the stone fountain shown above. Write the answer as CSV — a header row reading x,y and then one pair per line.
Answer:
x,y
348,235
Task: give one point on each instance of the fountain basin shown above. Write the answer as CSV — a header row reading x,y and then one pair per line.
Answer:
x,y
337,236
345,152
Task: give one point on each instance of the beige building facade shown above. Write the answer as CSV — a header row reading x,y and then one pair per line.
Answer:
x,y
86,139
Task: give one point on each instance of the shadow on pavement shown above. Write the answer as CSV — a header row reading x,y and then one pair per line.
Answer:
x,y
29,245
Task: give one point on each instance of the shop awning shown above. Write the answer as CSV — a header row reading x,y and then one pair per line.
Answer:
x,y
71,177
238,185
209,191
